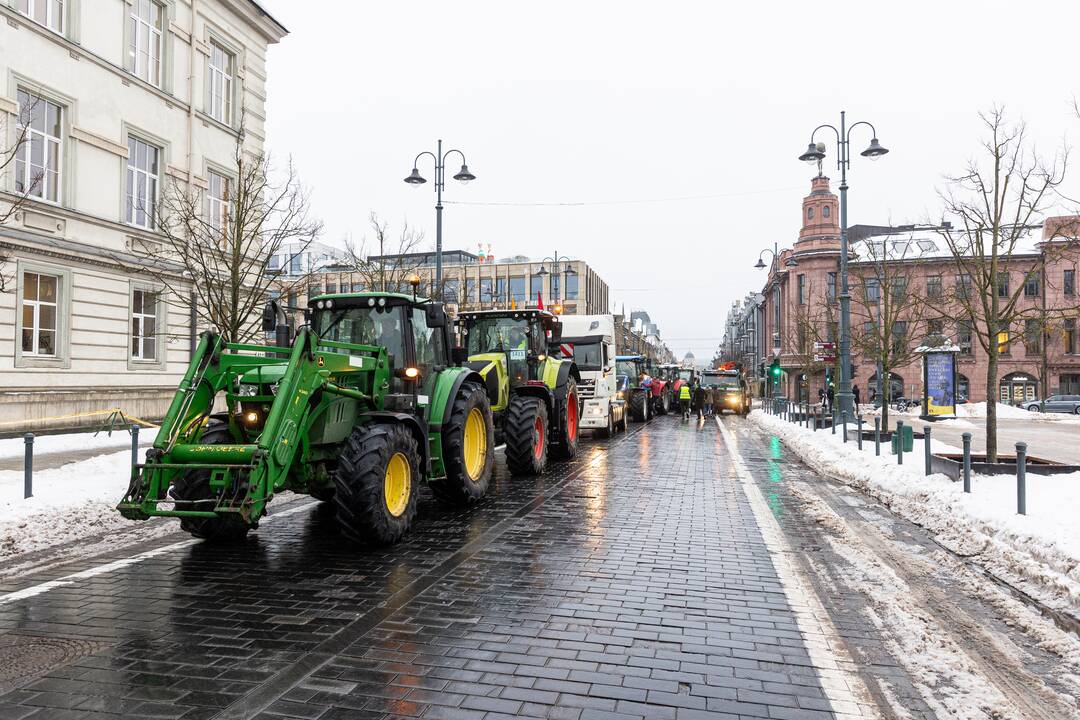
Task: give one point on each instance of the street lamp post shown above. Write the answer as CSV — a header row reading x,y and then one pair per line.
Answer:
x,y
416,179
557,261
816,153
760,265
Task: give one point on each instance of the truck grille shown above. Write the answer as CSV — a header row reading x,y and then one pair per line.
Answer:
x,y
586,389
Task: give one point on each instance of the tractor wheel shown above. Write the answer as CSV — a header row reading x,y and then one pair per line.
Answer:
x,y
195,485
639,406
665,401
468,448
323,494
526,433
570,409
377,481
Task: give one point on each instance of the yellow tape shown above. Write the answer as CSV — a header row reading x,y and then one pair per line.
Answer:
x,y
79,415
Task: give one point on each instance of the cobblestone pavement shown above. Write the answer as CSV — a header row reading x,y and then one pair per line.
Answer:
x,y
656,576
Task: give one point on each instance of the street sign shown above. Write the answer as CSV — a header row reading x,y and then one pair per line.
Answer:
x,y
818,346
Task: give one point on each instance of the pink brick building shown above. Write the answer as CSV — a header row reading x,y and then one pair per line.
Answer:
x,y
800,307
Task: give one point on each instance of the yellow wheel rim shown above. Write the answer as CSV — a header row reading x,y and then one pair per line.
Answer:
x,y
397,485
475,444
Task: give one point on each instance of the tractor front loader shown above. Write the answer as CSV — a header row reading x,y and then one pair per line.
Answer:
x,y
365,405
534,397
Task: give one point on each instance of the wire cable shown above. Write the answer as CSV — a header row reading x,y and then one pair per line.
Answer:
x,y
640,201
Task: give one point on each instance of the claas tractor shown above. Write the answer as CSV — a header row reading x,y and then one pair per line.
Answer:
x,y
630,370
365,405
533,396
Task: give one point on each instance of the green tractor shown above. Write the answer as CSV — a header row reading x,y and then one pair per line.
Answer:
x,y
366,404
534,397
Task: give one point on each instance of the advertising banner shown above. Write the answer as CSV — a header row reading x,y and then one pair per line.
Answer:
x,y
939,373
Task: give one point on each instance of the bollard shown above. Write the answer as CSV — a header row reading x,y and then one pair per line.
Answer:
x,y
858,418
877,436
899,442
926,446
967,461
813,421
833,423
28,466
134,445
843,415
1021,478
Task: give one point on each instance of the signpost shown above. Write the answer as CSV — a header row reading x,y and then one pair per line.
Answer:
x,y
825,352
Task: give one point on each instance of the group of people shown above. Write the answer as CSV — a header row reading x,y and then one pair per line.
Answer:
x,y
827,395
704,401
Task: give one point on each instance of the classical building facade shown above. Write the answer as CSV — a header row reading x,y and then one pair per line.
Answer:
x,y
104,103
798,307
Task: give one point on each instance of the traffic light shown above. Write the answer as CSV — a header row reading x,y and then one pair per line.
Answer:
x,y
774,369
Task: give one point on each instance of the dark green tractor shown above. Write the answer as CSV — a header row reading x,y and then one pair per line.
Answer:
x,y
365,405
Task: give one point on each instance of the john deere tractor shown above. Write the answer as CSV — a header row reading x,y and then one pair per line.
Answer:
x,y
364,406
533,396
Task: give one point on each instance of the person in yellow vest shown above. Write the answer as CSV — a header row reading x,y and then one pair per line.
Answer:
x,y
684,400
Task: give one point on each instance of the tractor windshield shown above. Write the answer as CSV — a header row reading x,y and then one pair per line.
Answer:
x,y
686,375
377,326
497,335
720,381
628,368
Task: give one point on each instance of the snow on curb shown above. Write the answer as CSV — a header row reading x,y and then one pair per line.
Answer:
x,y
1040,552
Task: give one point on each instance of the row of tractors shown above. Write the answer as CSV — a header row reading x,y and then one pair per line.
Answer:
x,y
377,394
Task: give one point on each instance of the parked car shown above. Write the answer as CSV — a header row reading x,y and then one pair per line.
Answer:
x,y
1055,403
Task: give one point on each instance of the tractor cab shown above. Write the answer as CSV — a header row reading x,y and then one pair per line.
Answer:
x,y
515,340
630,369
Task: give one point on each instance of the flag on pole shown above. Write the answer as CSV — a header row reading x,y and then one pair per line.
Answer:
x,y
539,300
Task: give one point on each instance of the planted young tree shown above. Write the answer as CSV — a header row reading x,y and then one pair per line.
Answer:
x,y
217,242
994,206
890,310
396,262
813,320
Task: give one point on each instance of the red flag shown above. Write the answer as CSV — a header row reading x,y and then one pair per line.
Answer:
x,y
539,300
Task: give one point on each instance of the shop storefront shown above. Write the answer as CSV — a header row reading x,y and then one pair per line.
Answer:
x,y
1018,387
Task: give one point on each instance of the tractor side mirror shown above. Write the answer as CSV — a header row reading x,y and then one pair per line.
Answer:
x,y
435,314
459,355
270,316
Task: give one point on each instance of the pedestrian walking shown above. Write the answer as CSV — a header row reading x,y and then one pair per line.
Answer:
x,y
823,400
855,390
716,400
830,395
699,400
684,401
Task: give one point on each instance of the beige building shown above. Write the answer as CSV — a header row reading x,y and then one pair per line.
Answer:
x,y
113,100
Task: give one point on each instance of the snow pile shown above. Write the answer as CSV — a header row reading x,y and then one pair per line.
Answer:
x,y
15,447
978,410
1040,551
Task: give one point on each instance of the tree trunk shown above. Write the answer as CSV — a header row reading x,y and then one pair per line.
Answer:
x,y
991,402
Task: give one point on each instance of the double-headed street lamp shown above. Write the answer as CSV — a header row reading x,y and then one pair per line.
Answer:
x,y
556,262
815,153
416,179
760,265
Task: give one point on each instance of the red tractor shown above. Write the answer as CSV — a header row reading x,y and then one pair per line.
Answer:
x,y
662,396
679,376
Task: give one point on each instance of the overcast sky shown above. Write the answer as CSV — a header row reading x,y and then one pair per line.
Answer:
x,y
631,104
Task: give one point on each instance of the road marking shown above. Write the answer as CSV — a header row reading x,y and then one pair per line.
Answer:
x,y
123,563
844,689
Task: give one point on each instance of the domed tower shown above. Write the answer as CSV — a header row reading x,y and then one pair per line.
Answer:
x,y
820,219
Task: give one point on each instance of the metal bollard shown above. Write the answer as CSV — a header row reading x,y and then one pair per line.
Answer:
x,y
899,442
1021,478
877,436
967,461
134,445
858,418
843,415
28,466
833,423
926,446
813,421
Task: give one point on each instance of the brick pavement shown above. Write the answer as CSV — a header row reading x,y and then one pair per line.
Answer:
x,y
630,583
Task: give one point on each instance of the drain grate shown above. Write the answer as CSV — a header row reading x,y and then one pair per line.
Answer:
x,y
24,657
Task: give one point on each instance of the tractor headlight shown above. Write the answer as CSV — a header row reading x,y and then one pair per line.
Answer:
x,y
620,395
371,302
251,418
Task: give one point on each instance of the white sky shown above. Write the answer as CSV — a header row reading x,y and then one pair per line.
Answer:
x,y
625,100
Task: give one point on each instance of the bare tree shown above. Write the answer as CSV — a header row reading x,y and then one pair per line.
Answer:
x,y
28,184
813,320
396,262
891,309
218,245
996,202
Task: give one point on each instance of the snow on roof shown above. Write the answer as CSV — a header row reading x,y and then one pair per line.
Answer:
x,y
926,244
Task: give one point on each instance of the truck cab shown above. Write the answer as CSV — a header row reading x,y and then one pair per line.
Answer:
x,y
589,340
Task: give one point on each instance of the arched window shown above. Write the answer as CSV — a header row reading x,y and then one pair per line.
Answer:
x,y
810,213
825,211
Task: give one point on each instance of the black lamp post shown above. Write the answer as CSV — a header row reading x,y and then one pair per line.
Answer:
x,y
416,179
815,153
556,261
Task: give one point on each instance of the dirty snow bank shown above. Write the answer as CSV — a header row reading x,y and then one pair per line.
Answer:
x,y
1039,552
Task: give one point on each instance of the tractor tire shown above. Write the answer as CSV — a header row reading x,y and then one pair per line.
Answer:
x,y
195,485
639,406
377,481
570,409
468,448
323,494
666,402
526,433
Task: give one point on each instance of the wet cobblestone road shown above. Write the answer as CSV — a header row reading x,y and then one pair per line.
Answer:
x,y
638,581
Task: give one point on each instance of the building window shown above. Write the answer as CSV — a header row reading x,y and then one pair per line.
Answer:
x,y
1003,343
536,287
802,338
1069,284
218,196
451,287
963,286
825,211
873,290
809,213
555,286
831,287
802,289
49,13
898,285
1070,336
935,327
899,336
39,308
144,47
220,86
517,289
1031,337
933,286
1031,285
572,287
142,183
963,336
963,387
144,308
469,295
296,264
1003,284
1069,384
273,262
38,156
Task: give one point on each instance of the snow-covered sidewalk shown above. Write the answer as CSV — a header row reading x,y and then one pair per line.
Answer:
x,y
1039,552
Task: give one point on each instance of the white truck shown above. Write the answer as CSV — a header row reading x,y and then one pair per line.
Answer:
x,y
590,341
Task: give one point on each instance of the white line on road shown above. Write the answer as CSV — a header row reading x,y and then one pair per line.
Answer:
x,y
122,563
844,689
